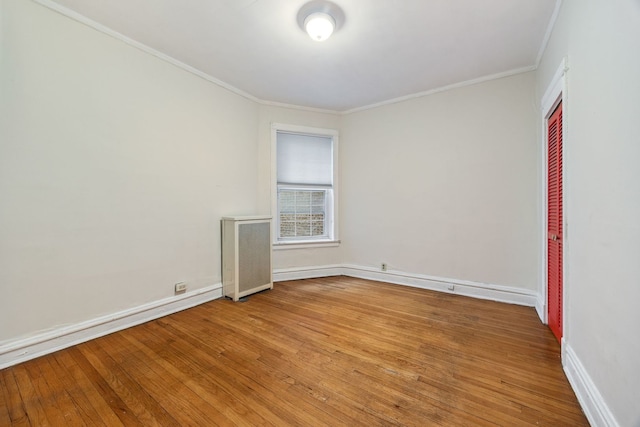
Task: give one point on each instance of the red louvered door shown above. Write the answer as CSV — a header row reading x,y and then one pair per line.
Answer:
x,y
554,222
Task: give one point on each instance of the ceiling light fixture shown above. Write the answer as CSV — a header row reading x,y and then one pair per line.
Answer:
x,y
319,26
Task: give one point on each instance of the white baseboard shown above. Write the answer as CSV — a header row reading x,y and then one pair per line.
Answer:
x,y
462,287
591,401
29,348
299,273
453,286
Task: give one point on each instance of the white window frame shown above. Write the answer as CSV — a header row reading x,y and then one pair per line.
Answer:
x,y
331,220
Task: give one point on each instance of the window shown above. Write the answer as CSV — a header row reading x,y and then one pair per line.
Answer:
x,y
304,185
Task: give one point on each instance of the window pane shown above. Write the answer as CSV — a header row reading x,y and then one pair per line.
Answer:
x,y
303,198
317,198
303,228
317,228
287,201
287,229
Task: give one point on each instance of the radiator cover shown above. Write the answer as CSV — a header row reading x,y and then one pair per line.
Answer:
x,y
246,255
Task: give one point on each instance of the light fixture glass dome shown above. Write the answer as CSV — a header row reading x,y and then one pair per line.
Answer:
x,y
319,26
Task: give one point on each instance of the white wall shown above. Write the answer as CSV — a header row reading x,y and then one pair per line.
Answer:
x,y
115,168
602,43
285,258
445,185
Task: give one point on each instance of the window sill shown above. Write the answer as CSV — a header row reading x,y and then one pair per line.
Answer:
x,y
303,244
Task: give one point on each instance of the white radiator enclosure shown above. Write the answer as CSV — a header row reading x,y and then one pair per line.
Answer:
x,y
246,255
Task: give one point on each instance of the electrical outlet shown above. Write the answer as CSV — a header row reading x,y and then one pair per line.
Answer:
x,y
383,266
181,287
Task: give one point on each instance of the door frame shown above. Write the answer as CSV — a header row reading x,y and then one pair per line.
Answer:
x,y
556,92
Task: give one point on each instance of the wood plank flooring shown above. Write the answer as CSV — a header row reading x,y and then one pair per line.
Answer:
x,y
318,352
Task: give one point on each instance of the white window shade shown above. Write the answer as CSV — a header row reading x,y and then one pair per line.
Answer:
x,y
304,159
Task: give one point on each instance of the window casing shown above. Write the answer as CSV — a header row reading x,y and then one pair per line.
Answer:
x,y
305,185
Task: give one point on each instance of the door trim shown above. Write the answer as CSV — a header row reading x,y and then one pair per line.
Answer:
x,y
556,92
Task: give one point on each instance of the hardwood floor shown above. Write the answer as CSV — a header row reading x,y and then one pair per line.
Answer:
x,y
331,351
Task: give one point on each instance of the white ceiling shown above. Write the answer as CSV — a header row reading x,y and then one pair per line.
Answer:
x,y
381,50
